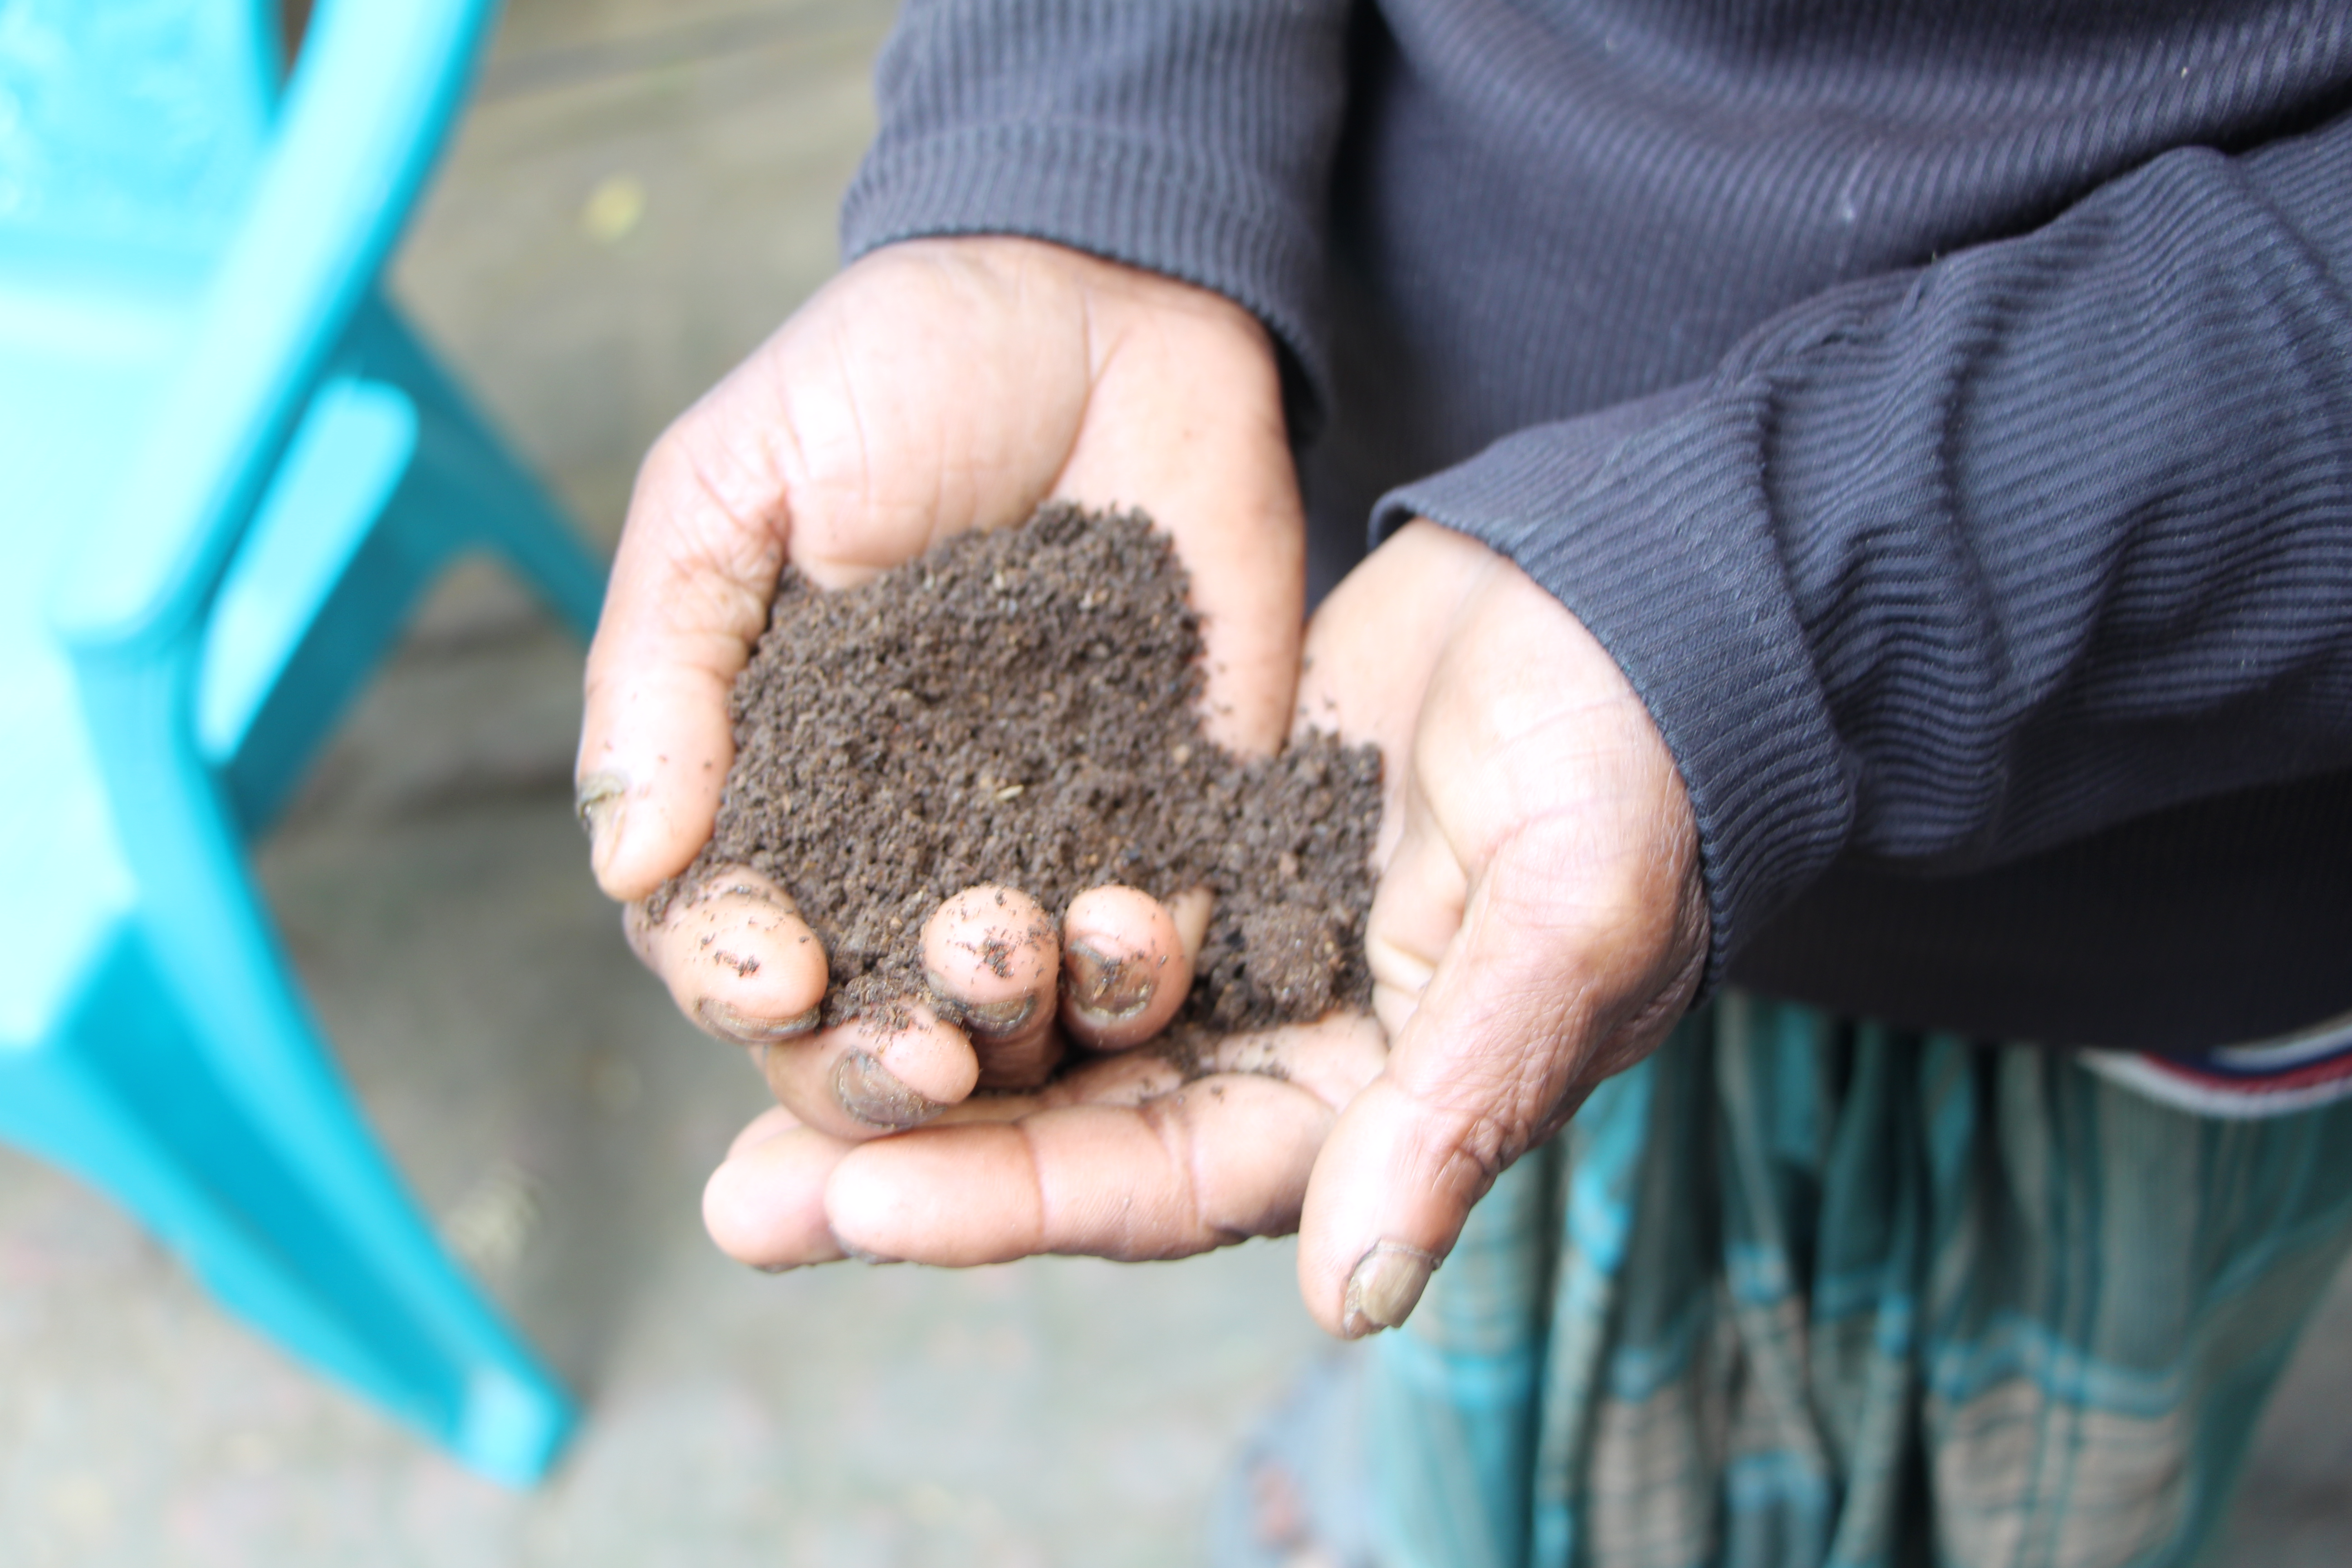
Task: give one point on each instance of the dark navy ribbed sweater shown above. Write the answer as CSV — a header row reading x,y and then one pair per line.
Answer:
x,y
1942,412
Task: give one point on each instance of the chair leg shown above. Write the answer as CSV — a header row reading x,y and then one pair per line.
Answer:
x,y
458,491
127,1097
482,497
193,1084
348,635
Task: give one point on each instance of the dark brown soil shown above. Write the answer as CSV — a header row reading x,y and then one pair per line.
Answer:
x,y
1019,708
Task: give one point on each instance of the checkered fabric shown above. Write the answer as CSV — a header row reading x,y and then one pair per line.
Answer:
x,y
1799,1291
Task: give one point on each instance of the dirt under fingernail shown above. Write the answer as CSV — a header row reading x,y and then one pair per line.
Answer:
x,y
1106,987
873,1094
746,1030
1019,708
992,1019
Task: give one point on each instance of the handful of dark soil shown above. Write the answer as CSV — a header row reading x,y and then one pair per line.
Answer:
x,y
1018,708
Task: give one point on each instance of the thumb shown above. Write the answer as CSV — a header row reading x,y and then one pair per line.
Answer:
x,y
697,566
1549,979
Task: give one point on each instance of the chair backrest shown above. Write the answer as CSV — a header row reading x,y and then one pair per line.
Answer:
x,y
130,131
366,110
160,335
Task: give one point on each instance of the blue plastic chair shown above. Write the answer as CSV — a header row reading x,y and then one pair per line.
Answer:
x,y
227,471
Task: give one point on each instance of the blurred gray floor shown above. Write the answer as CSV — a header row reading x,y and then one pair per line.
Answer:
x,y
643,189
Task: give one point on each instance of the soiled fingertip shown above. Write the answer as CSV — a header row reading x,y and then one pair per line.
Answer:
x,y
992,957
1125,968
636,842
877,1097
737,959
1117,920
993,953
900,1072
656,740
1384,1288
872,1076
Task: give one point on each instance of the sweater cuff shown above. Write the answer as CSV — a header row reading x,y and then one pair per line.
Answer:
x,y
1648,522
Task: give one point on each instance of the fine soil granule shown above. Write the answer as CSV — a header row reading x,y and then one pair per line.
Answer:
x,y
1019,708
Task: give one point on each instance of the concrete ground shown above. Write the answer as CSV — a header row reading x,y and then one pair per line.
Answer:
x,y
643,189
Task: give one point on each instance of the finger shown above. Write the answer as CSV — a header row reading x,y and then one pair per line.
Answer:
x,y
1127,963
1186,1166
1539,925
993,956
1539,995
1097,1179
883,1073
737,957
765,1207
691,582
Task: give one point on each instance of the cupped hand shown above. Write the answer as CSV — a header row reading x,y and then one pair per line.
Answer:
x,y
1539,925
932,387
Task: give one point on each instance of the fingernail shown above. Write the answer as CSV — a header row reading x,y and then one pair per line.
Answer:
x,y
871,1093
1385,1287
742,1028
775,1268
1109,988
863,1256
602,800
995,1018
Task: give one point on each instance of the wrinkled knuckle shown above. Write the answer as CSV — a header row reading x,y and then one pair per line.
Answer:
x,y
1479,1149
1478,1126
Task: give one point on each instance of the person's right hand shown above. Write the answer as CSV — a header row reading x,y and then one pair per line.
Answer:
x,y
932,387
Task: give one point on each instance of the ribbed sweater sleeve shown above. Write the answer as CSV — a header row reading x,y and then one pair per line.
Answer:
x,y
1943,567
1193,137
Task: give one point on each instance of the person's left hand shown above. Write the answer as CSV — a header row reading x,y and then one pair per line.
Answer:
x,y
1540,924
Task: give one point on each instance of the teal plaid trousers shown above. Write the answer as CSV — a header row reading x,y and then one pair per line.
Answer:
x,y
1798,1292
